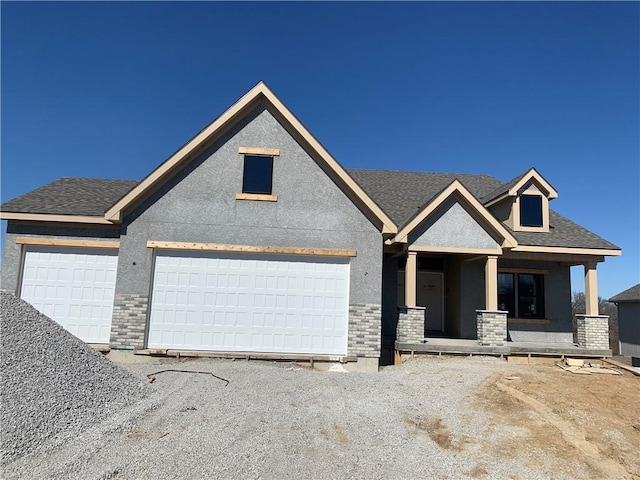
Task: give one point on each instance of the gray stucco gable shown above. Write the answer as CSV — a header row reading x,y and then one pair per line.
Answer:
x,y
199,205
452,226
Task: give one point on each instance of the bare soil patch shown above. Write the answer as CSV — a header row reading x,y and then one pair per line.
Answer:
x,y
590,424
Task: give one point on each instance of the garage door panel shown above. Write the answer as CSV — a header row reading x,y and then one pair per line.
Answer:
x,y
73,286
240,302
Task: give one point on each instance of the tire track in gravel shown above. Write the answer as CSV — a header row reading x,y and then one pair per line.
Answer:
x,y
572,434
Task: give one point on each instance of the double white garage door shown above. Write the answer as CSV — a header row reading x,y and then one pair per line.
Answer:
x,y
205,301
249,302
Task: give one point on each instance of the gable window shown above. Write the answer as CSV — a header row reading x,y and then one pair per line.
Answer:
x,y
521,294
257,174
531,211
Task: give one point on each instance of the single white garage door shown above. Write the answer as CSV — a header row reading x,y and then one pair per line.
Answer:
x,y
249,303
74,287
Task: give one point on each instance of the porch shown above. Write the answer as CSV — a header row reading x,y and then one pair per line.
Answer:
x,y
465,304
437,345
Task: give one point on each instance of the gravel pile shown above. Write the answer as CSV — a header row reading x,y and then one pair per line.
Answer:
x,y
53,386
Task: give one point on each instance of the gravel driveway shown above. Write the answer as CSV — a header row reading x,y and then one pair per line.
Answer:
x,y
280,420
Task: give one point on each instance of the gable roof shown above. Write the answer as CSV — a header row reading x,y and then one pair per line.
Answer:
x,y
258,95
512,186
403,194
456,189
630,295
70,197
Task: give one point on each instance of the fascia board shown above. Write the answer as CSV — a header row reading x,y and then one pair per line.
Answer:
x,y
568,250
533,174
46,217
115,212
388,226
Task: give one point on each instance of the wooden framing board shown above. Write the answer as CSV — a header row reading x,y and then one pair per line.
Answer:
x,y
257,196
213,247
271,152
245,355
66,242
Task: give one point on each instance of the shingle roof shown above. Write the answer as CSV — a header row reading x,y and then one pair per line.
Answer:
x,y
502,189
563,233
402,194
630,295
71,196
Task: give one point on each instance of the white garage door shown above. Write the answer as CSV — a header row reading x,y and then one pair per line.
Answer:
x,y
74,287
249,303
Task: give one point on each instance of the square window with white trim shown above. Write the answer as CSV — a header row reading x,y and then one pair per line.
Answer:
x,y
257,177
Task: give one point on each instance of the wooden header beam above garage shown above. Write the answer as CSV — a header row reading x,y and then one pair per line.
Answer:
x,y
212,247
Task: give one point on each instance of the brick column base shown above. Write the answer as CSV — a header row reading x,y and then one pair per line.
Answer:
x,y
492,327
593,331
410,327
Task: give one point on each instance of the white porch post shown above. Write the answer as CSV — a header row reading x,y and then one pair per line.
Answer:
x,y
591,288
410,279
491,283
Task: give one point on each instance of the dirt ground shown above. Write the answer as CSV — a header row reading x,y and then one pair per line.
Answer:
x,y
589,422
443,418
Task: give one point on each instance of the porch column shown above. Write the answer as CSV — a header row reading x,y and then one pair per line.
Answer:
x,y
491,322
592,329
410,279
591,288
491,283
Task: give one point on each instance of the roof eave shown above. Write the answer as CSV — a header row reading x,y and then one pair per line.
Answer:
x,y
48,217
568,250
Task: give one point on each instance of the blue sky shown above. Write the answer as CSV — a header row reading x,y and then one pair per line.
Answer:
x,y
112,89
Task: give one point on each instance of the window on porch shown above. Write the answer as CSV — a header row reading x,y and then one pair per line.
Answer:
x,y
521,294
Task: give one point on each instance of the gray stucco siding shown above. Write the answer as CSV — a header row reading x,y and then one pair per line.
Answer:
x,y
199,205
452,226
12,253
557,293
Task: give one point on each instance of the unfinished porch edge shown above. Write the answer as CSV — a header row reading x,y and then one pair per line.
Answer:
x,y
505,350
156,352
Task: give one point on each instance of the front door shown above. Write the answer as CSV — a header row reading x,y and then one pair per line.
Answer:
x,y
430,294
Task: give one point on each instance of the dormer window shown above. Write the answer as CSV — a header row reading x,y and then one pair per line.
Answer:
x,y
523,203
531,211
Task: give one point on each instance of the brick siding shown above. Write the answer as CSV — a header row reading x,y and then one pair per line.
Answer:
x,y
129,321
365,330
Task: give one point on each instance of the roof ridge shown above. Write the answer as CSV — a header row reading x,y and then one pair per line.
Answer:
x,y
423,173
